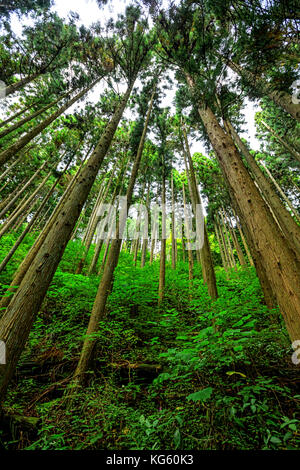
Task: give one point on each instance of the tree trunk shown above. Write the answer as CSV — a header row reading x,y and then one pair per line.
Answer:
x,y
13,200
198,254
30,224
153,230
21,83
236,243
20,143
225,245
111,263
16,115
224,262
290,149
227,239
162,266
15,325
23,121
145,240
11,167
23,268
276,256
23,207
138,227
281,98
267,290
174,241
243,240
190,253
206,258
287,224
290,205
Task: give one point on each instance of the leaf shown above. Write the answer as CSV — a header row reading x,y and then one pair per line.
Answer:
x,y
232,372
275,440
177,438
202,395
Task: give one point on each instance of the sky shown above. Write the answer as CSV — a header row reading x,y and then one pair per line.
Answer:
x,y
89,13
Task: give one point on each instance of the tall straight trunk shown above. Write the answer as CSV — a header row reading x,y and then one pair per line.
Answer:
x,y
94,220
23,141
103,262
154,229
190,253
24,266
22,190
287,224
7,200
174,241
225,245
41,222
276,256
162,265
28,118
145,240
237,246
118,187
29,225
285,144
266,287
290,205
103,193
138,227
23,207
106,282
11,167
22,217
209,276
227,238
10,89
15,325
153,241
93,266
281,98
17,114
244,240
198,254
183,244
221,248
4,186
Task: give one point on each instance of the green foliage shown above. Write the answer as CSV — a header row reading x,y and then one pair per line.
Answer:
x,y
191,373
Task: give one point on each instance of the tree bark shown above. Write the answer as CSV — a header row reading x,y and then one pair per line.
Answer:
x,y
15,325
276,256
8,153
287,224
209,276
190,253
21,83
290,149
11,167
281,98
23,189
162,265
290,205
111,263
23,121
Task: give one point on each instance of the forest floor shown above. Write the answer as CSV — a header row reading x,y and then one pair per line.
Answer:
x,y
189,374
